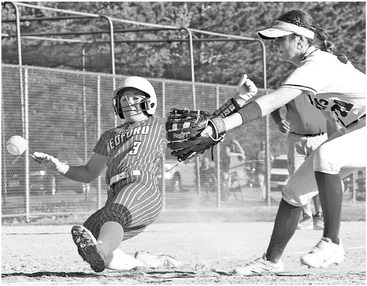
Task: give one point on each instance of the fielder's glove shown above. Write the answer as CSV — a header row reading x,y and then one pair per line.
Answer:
x,y
183,128
50,163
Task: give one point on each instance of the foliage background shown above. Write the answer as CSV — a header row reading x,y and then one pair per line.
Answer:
x,y
215,62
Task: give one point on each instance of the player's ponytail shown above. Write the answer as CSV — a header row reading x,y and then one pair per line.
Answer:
x,y
321,40
327,46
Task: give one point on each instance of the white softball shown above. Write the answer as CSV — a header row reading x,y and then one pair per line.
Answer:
x,y
16,145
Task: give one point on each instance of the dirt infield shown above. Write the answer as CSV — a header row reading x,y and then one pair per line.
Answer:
x,y
210,251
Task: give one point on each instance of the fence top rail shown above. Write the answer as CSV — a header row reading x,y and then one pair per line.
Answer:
x,y
121,76
95,16
224,35
137,23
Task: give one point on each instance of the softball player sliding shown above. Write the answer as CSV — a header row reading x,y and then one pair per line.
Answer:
x,y
130,152
331,84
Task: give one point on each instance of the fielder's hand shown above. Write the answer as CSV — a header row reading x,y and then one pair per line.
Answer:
x,y
284,126
50,163
214,128
246,89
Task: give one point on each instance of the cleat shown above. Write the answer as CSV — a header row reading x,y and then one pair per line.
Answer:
x,y
318,221
306,223
324,254
88,248
157,260
260,266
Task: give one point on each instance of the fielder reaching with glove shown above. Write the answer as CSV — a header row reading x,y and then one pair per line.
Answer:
x,y
130,152
184,126
332,84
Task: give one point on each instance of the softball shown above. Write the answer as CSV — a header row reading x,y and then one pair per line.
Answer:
x,y
16,145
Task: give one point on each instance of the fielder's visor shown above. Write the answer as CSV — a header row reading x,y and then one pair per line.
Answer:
x,y
281,29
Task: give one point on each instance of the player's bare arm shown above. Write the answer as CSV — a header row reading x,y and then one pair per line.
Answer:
x,y
260,107
276,99
90,171
85,173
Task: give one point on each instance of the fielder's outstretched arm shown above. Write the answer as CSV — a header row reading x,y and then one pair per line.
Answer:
x,y
255,109
262,106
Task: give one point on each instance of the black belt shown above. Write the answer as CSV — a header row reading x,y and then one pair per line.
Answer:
x,y
355,121
307,135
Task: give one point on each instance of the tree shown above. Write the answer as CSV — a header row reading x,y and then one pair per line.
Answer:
x,y
215,62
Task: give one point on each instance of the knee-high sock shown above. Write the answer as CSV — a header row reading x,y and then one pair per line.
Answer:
x,y
110,237
284,227
331,197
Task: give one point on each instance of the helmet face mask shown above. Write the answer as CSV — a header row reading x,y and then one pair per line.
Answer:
x,y
147,105
125,102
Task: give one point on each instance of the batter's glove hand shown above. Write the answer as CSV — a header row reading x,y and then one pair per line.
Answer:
x,y
184,127
50,163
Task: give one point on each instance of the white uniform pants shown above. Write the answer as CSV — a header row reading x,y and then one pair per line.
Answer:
x,y
342,153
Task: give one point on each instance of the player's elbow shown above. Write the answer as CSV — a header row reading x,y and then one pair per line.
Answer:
x,y
90,177
82,174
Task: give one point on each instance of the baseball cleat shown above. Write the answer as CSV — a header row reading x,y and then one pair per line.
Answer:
x,y
260,266
88,248
157,260
324,254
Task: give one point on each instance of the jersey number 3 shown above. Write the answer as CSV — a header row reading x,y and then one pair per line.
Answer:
x,y
135,149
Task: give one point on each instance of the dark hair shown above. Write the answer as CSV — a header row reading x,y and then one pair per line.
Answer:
x,y
304,20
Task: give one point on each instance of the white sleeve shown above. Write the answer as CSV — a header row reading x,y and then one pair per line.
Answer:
x,y
309,77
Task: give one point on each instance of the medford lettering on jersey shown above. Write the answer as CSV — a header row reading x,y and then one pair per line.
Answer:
x,y
122,138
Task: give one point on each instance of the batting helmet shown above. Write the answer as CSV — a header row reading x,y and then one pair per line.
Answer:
x,y
149,105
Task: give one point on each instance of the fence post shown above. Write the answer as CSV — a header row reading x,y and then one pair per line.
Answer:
x,y
219,182
164,155
218,158
99,185
192,66
267,163
26,136
353,185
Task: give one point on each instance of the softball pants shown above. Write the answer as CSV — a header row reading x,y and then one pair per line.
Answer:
x,y
342,153
134,203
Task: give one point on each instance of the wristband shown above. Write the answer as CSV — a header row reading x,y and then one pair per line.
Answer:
x,y
62,168
219,128
250,111
228,108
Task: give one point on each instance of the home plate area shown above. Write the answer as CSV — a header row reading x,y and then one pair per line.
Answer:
x,y
183,276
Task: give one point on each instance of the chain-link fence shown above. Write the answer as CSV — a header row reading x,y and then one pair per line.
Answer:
x,y
64,112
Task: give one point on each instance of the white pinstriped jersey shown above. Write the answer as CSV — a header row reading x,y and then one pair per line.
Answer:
x,y
133,146
331,86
